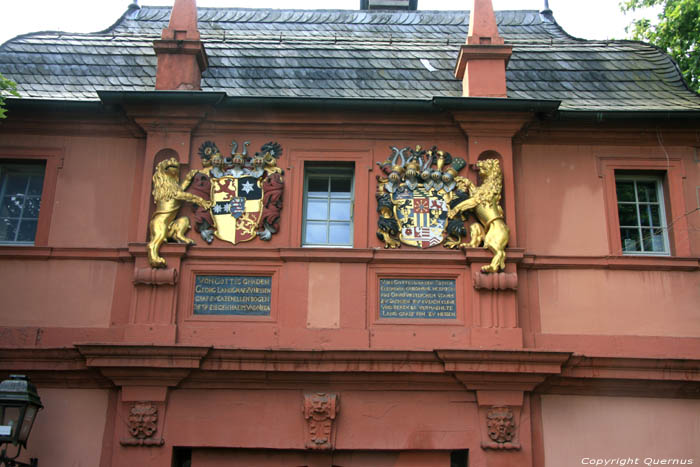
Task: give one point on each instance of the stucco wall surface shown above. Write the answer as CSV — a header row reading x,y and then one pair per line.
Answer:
x,y
94,186
370,420
94,193
560,195
640,303
68,432
57,293
578,429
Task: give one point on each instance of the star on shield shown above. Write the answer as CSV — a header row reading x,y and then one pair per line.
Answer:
x,y
247,187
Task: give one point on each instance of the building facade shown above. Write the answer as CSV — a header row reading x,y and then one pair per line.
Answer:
x,y
319,318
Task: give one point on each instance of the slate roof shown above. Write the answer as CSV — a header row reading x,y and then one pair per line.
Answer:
x,y
349,54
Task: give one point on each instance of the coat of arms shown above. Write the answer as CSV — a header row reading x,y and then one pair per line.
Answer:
x,y
423,202
245,193
414,196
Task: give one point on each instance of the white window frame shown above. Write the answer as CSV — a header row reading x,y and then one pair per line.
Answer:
x,y
659,182
29,168
345,171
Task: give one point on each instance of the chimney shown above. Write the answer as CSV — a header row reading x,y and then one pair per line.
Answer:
x,y
410,5
180,52
482,60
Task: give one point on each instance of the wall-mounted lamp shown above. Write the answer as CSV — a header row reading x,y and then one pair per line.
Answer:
x,y
19,404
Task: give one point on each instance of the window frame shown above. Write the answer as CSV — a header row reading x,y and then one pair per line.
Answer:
x,y
344,170
671,173
53,161
658,182
26,169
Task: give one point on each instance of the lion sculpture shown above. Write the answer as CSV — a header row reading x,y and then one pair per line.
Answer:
x,y
168,196
485,200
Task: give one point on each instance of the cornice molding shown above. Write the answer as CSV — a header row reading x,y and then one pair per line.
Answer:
x,y
545,372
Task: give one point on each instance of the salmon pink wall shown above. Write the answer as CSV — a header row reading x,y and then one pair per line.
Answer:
x,y
68,432
641,303
367,419
582,427
94,185
56,293
93,196
561,201
560,195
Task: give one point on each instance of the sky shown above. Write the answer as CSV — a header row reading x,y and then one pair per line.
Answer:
x,y
588,19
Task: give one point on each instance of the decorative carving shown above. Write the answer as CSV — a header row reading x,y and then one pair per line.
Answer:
x,y
413,197
201,186
150,276
246,193
168,196
143,425
500,423
484,200
497,281
319,411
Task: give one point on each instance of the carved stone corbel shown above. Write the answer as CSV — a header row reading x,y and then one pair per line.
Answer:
x,y
320,410
152,276
495,281
501,428
142,424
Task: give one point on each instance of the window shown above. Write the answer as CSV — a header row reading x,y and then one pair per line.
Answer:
x,y
645,205
642,217
21,185
328,206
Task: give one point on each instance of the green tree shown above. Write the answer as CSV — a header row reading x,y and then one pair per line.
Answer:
x,y
677,32
7,87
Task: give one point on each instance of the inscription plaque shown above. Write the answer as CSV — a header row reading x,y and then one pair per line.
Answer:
x,y
232,295
418,298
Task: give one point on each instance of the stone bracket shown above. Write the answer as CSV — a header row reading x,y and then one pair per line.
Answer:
x,y
143,424
499,419
495,281
320,410
151,276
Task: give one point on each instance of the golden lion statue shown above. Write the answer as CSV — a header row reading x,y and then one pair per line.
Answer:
x,y
168,195
485,200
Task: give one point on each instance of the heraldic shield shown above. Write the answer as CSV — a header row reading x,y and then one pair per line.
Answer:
x,y
422,216
237,208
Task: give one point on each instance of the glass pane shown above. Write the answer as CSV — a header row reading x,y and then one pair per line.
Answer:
x,y
316,209
647,191
29,416
8,229
655,213
15,184
340,210
340,233
316,233
36,183
646,239
11,418
630,240
658,243
31,208
318,186
625,191
341,185
27,231
10,207
628,214
645,215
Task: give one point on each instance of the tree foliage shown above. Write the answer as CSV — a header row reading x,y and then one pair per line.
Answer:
x,y
677,31
7,87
